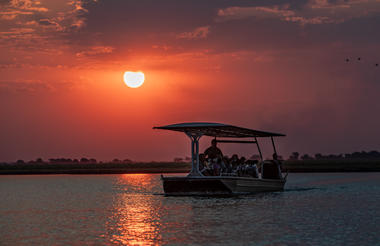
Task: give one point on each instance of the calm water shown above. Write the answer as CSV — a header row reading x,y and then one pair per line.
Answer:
x,y
315,209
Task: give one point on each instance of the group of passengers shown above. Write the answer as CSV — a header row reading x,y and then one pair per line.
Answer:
x,y
213,163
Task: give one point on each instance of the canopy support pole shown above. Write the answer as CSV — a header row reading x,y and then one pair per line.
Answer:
x,y
194,154
274,146
258,147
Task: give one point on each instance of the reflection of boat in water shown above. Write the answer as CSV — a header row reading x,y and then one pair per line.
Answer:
x,y
196,183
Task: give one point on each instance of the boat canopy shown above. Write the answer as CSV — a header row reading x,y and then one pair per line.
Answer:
x,y
217,130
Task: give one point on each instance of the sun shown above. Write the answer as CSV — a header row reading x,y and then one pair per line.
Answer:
x,y
134,79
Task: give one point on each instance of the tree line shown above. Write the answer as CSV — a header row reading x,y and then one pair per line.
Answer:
x,y
294,156
355,155
82,160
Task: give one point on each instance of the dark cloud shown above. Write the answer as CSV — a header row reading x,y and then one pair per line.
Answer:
x,y
143,24
4,2
46,22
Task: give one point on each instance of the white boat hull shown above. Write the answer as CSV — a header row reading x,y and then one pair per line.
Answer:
x,y
219,185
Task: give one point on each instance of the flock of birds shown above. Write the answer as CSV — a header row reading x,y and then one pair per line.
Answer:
x,y
359,59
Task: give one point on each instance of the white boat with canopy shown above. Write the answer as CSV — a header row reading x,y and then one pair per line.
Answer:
x,y
196,183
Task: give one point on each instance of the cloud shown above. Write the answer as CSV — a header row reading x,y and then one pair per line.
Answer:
x,y
15,8
232,13
18,31
275,12
197,33
30,86
95,50
40,85
28,5
30,25
12,14
314,12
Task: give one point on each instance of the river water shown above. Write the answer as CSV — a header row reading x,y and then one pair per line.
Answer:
x,y
315,209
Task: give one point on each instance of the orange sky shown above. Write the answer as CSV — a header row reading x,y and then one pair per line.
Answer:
x,y
267,65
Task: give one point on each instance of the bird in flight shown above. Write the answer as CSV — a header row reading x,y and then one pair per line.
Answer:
x,y
359,59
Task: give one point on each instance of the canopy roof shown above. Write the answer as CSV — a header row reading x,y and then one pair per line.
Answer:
x,y
217,130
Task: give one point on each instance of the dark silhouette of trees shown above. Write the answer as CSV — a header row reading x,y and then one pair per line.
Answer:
x,y
294,156
364,155
355,155
306,157
318,156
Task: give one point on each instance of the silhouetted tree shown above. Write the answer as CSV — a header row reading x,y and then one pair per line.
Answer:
x,y
84,160
306,157
294,156
318,156
20,162
374,154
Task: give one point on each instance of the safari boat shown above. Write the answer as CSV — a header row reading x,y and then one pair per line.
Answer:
x,y
270,177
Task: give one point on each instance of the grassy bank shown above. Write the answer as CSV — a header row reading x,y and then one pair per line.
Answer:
x,y
339,165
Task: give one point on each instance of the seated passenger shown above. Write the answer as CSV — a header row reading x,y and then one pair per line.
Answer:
x,y
277,161
202,162
203,166
227,165
234,161
252,169
216,167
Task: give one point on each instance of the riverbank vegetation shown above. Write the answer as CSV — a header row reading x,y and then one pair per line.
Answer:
x,y
354,162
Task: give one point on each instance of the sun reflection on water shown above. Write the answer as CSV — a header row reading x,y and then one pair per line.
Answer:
x,y
135,218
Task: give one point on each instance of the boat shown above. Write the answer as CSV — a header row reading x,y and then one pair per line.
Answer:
x,y
269,179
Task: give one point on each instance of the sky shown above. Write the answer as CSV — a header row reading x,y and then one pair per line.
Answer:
x,y
269,65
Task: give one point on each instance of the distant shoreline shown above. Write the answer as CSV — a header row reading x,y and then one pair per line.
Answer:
x,y
292,166
338,165
88,171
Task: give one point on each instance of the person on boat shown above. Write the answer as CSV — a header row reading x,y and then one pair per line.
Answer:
x,y
278,163
252,169
202,162
213,151
227,164
276,160
216,166
234,161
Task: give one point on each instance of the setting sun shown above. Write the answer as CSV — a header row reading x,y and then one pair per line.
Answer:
x,y
134,79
